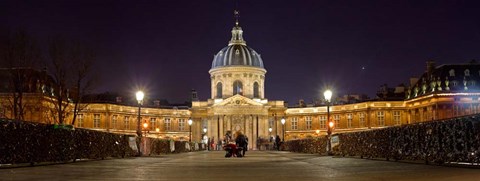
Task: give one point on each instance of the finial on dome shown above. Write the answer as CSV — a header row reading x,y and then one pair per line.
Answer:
x,y
236,14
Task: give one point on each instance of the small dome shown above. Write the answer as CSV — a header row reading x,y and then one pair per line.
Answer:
x,y
237,53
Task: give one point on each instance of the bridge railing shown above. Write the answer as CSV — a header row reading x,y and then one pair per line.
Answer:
x,y
25,142
454,140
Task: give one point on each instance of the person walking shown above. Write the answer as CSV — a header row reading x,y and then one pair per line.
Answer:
x,y
277,142
241,142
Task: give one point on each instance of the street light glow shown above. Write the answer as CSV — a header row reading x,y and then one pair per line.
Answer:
x,y
283,121
145,125
317,131
205,130
328,95
270,130
190,122
331,124
140,96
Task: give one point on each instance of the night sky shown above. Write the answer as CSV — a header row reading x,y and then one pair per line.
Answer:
x,y
167,46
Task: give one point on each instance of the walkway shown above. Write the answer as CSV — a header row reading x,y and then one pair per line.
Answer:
x,y
272,166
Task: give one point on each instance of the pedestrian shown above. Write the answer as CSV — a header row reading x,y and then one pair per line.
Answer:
x,y
277,142
241,142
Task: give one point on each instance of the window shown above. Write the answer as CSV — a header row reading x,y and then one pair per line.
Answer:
x,y
237,88
308,122
96,121
256,93
114,122
467,72
80,120
336,118
396,117
294,123
126,123
452,73
167,124
181,124
381,118
219,90
153,123
361,118
323,121
349,120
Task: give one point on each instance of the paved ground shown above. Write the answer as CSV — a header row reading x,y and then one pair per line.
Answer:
x,y
272,166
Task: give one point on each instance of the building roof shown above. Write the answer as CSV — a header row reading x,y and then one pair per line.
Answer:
x,y
447,78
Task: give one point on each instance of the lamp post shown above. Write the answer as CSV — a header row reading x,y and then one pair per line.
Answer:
x,y
328,97
190,133
139,95
283,128
145,128
317,132
158,131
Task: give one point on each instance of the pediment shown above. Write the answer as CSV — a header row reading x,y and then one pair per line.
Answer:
x,y
238,100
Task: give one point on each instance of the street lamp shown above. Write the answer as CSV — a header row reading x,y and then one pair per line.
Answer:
x,y
139,96
317,131
158,131
283,128
328,97
190,133
145,127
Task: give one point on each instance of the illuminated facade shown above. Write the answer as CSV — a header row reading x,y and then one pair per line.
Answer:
x,y
238,103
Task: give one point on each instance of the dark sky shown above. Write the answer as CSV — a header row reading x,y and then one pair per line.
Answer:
x,y
167,46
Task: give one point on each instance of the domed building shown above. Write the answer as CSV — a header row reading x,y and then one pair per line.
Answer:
x,y
237,102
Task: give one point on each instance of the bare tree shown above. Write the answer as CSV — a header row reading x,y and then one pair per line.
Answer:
x,y
20,55
83,58
71,64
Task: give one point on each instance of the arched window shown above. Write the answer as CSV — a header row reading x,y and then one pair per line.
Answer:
x,y
219,90
452,73
237,88
256,94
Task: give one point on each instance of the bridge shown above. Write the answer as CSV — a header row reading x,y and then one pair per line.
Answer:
x,y
257,165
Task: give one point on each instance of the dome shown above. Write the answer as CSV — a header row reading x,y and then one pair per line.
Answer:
x,y
241,55
237,53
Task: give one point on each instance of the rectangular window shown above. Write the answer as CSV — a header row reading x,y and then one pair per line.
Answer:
x,y
323,121
349,120
396,117
308,122
167,124
80,120
181,124
126,123
294,123
96,121
114,122
336,118
153,123
381,118
361,118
